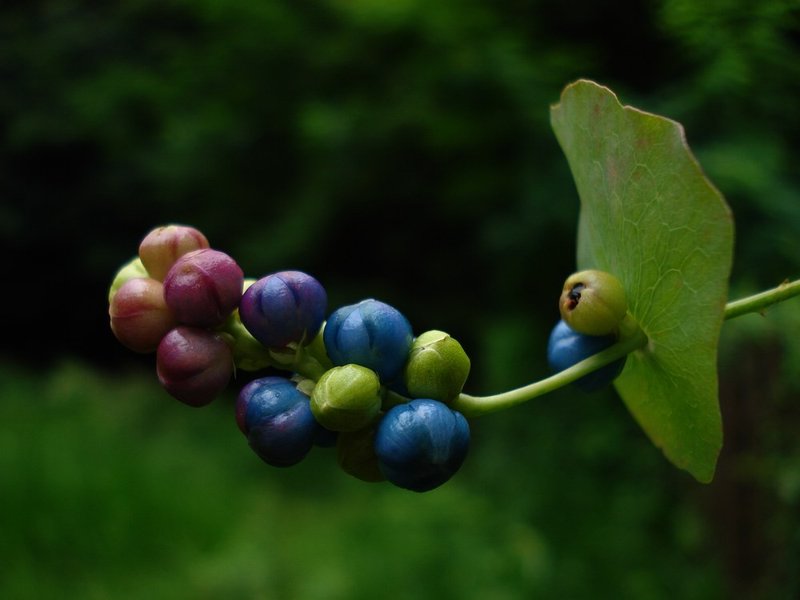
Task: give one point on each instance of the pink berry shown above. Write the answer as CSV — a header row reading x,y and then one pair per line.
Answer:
x,y
164,245
139,315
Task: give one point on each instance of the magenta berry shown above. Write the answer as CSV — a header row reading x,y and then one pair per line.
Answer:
x,y
203,287
194,365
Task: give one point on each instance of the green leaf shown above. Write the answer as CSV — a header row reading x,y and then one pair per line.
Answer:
x,y
649,216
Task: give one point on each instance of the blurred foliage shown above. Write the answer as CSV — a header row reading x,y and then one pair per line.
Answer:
x,y
112,490
400,150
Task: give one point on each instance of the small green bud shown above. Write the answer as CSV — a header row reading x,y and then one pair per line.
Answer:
x,y
355,451
346,398
437,367
130,270
593,302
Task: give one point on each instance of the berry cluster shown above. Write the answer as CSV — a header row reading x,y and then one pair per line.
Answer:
x,y
357,378
172,299
350,373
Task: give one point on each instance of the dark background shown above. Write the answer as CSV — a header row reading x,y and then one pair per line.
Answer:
x,y
398,150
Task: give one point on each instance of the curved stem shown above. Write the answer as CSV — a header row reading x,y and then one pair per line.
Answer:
x,y
474,406
758,302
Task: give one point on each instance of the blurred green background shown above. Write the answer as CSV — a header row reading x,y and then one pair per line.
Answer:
x,y
396,149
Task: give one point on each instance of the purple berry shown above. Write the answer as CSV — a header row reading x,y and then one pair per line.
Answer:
x,y
194,365
203,287
283,308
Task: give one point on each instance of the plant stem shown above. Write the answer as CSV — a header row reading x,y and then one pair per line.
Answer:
x,y
474,406
758,302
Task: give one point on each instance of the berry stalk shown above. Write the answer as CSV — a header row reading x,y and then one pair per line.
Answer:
x,y
758,302
474,406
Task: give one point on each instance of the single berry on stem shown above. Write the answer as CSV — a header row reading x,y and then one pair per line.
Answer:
x,y
593,302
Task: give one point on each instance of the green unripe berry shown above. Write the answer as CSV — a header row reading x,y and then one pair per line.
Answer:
x,y
346,398
130,270
593,302
437,367
355,452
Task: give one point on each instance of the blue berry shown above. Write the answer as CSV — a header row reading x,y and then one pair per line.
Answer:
x,y
283,308
421,444
277,420
371,334
567,347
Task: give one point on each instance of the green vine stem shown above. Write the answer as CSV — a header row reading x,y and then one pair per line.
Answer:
x,y
474,406
758,302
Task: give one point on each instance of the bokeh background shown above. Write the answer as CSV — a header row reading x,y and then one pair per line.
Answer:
x,y
400,150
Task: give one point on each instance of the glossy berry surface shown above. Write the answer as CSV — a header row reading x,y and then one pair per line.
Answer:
x,y
161,247
194,365
277,420
203,287
283,307
346,398
139,316
421,444
593,302
567,347
437,367
372,334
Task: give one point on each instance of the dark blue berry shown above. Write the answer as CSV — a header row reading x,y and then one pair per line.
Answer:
x,y
421,444
567,347
277,420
